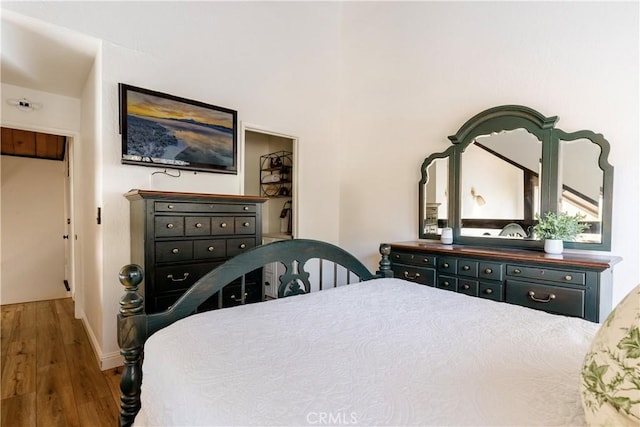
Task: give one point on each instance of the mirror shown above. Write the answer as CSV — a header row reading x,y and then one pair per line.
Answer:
x,y
581,184
502,203
436,194
507,164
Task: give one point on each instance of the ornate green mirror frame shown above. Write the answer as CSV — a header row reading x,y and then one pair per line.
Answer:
x,y
508,163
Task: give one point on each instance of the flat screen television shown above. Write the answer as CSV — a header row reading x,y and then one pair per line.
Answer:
x,y
168,131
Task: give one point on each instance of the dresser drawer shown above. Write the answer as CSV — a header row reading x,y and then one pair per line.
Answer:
x,y
424,276
237,246
210,248
168,226
469,287
245,225
447,265
413,259
447,282
178,277
179,250
540,273
222,225
204,207
554,299
491,290
490,270
467,268
197,226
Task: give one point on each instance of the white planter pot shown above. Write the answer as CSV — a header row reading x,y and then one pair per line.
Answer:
x,y
553,246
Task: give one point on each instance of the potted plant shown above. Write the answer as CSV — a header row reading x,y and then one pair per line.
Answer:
x,y
554,229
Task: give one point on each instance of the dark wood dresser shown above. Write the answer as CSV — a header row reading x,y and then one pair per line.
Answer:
x,y
179,237
571,284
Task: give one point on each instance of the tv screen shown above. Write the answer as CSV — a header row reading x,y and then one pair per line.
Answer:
x,y
167,131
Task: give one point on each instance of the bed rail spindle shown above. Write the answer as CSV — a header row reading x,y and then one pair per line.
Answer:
x,y
321,262
385,262
335,275
131,337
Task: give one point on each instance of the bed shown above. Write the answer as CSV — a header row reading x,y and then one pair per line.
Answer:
x,y
378,351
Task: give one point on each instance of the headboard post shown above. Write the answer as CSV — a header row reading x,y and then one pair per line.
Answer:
x,y
132,333
385,262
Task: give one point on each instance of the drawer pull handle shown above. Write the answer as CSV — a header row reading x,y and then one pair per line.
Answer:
x,y
488,271
198,225
223,225
234,298
465,287
445,283
550,298
568,278
175,250
517,271
410,277
170,226
488,291
246,224
246,208
242,246
211,249
173,279
466,267
426,260
397,256
445,265
170,206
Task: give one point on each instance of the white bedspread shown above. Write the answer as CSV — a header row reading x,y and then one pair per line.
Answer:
x,y
383,352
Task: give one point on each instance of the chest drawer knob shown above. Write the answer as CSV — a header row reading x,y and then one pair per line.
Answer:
x,y
170,206
246,208
175,250
411,277
488,271
516,271
223,225
211,249
170,226
568,277
173,279
465,287
445,283
466,267
198,225
426,260
445,265
246,224
533,297
242,246
488,291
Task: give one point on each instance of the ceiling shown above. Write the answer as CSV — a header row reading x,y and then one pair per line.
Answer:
x,y
44,57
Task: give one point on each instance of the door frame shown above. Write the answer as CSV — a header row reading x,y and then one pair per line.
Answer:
x,y
247,127
69,211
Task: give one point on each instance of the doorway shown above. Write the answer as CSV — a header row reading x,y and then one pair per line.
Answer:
x,y
262,148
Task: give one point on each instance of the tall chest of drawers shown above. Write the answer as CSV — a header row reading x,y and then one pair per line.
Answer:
x,y
571,284
179,237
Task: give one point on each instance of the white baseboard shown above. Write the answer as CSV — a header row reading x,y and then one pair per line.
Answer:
x,y
105,361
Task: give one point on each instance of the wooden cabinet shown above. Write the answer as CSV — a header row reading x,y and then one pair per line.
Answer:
x,y
179,237
571,284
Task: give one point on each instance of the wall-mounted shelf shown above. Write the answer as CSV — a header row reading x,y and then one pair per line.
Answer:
x,y
275,174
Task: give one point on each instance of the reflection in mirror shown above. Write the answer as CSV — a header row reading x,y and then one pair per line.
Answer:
x,y
436,193
500,185
581,181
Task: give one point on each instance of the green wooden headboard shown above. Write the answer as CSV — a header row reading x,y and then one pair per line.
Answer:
x,y
134,326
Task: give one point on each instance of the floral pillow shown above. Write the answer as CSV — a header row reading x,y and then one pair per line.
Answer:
x,y
610,376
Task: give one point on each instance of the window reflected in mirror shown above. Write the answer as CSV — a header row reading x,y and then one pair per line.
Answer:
x,y
500,185
581,181
436,196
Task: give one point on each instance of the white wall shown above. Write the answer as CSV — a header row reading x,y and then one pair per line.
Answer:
x,y
414,72
32,229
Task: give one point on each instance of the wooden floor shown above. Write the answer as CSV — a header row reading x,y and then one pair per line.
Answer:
x,y
50,376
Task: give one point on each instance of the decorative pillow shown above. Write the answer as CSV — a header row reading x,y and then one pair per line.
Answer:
x,y
610,383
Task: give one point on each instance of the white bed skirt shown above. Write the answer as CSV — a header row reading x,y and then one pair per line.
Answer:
x,y
382,352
